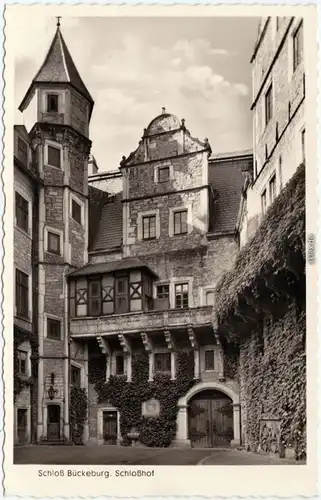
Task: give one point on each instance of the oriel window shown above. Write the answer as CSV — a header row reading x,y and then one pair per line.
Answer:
x,y
94,297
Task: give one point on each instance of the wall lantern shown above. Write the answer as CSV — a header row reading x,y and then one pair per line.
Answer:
x,y
51,390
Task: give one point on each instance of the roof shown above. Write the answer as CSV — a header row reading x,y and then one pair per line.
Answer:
x,y
22,131
233,154
227,180
58,67
108,267
109,227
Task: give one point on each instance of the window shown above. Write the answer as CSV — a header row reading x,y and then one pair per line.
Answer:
x,y
22,151
94,297
268,105
162,291
303,144
75,376
53,329
209,297
209,360
297,47
280,172
277,23
263,201
54,156
181,295
76,211
22,362
22,293
149,227
54,243
22,212
119,365
52,103
163,174
121,292
180,222
272,188
162,362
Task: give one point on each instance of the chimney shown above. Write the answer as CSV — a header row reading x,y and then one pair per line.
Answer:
x,y
163,110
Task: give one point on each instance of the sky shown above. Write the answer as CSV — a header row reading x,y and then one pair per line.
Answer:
x,y
197,68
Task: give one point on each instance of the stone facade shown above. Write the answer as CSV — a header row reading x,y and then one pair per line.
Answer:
x,y
278,64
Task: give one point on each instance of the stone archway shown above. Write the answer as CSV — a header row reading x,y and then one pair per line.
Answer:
x,y
182,416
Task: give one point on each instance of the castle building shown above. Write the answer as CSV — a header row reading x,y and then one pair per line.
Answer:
x,y
278,105
114,297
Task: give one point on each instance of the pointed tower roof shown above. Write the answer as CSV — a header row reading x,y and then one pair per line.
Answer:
x,y
58,67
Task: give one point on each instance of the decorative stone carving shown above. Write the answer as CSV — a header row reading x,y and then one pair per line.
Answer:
x,y
151,408
146,341
270,431
124,342
169,340
104,346
192,337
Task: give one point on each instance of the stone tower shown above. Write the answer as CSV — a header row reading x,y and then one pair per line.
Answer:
x,y
59,136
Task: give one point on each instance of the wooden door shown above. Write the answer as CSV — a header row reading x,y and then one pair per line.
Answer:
x,y
22,425
110,427
53,422
210,421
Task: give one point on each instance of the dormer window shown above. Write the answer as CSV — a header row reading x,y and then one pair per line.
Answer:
x,y
52,103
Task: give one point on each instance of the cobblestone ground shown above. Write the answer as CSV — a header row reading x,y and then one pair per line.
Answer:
x,y
112,455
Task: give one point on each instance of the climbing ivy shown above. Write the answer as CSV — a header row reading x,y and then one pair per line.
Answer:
x,y
128,397
274,383
19,381
78,413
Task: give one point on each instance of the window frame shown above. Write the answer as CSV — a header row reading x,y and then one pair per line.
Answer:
x,y
166,355
50,249
55,145
272,188
91,298
297,51
19,209
268,104
75,369
206,292
209,349
57,320
22,306
140,217
149,218
181,284
179,213
48,97
80,203
162,169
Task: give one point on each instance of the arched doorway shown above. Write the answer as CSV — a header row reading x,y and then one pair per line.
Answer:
x,y
210,419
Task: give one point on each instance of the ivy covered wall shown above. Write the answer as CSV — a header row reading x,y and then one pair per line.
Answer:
x,y
273,383
128,398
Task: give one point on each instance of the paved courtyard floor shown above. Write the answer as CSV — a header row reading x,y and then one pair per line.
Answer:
x,y
114,455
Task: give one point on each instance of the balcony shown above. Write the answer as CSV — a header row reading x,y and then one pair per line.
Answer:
x,y
141,321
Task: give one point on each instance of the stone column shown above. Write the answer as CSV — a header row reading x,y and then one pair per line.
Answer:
x,y
173,365
151,367
197,373
129,367
236,425
182,428
108,367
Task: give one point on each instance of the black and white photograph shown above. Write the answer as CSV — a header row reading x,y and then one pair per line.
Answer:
x,y
160,242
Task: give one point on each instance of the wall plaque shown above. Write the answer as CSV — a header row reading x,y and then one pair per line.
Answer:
x,y
151,408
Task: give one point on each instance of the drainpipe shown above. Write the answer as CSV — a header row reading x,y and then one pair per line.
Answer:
x,y
66,360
